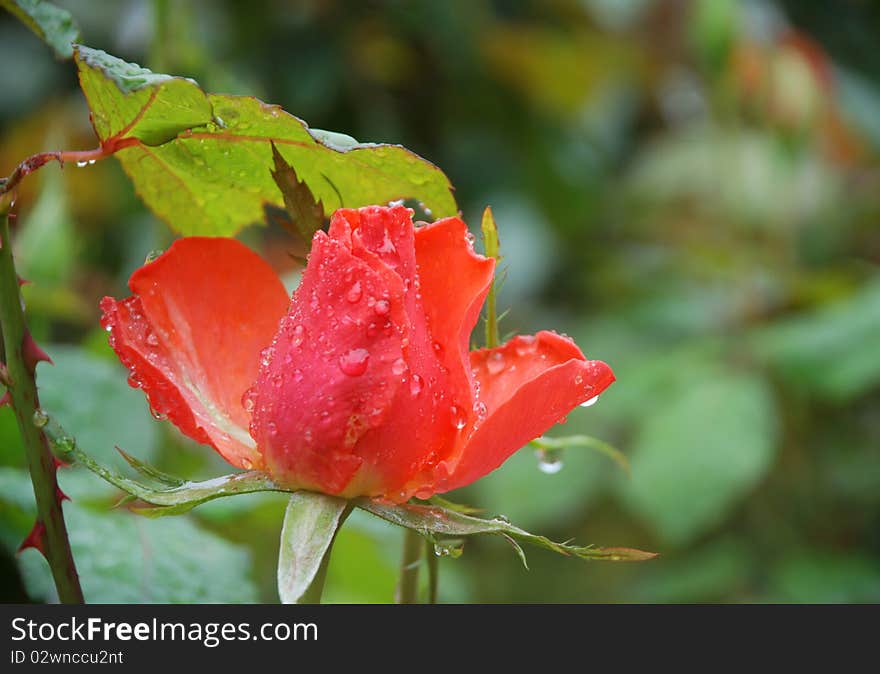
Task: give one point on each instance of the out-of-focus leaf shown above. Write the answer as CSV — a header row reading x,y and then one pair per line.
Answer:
x,y
699,451
122,558
126,559
363,566
535,499
202,161
310,525
46,244
431,521
53,25
825,577
832,352
90,398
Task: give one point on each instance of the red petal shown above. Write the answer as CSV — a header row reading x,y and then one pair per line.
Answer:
x,y
379,433
192,334
527,385
333,368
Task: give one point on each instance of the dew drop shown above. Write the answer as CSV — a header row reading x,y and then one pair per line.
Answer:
x,y
299,335
297,375
398,367
248,400
382,307
247,464
438,348
81,164
549,462
40,418
372,330
589,403
354,293
152,340
415,385
496,363
480,409
354,362
452,550
470,238
458,418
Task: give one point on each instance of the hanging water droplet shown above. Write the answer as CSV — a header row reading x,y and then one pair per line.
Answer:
x,y
589,403
81,164
549,462
415,385
153,255
398,367
450,549
503,519
354,362
40,418
354,293
158,416
470,238
458,418
382,307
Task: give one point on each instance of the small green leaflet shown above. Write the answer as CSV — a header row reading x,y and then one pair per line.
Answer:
x,y
202,161
305,213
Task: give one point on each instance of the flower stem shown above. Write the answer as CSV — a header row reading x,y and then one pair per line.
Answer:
x,y
433,572
21,386
408,586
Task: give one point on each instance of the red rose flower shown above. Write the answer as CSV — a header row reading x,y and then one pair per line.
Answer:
x,y
362,383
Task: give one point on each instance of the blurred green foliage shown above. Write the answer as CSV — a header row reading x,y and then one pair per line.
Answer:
x,y
690,189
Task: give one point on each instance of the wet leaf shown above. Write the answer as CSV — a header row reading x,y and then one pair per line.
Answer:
x,y
202,161
53,25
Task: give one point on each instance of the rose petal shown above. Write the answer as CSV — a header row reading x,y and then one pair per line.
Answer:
x,y
527,386
192,334
332,370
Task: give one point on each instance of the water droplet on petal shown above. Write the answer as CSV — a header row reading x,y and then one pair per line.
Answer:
x,y
354,362
297,375
382,307
152,340
458,418
247,464
480,409
589,403
415,385
299,335
354,293
496,363
248,400
438,348
398,367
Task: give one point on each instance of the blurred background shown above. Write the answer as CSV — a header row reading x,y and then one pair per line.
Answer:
x,y
690,189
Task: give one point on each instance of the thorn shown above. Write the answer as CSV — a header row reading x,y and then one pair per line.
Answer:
x,y
22,282
6,400
59,463
35,539
32,353
61,496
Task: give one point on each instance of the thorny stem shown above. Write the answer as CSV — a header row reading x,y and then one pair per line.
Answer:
x,y
408,585
31,164
22,390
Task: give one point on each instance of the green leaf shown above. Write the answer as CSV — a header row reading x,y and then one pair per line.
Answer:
x,y
53,25
700,451
202,161
310,525
431,521
831,352
127,559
